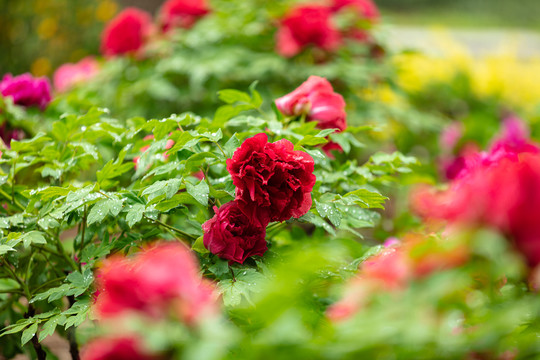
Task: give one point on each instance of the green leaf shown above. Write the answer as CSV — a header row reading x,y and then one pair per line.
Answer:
x,y
310,140
15,328
199,192
230,96
49,326
29,333
33,237
98,212
135,214
329,211
199,247
366,198
231,145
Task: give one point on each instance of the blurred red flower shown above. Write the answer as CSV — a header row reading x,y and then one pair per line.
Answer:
x,y
115,348
304,26
156,282
26,90
69,75
126,33
182,13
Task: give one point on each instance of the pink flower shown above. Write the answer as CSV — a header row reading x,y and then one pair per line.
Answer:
x,y
304,26
26,90
115,348
127,32
69,75
182,13
503,194
273,181
316,99
513,141
155,282
232,235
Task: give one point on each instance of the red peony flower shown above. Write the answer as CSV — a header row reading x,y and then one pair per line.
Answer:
x,y
273,182
155,282
115,348
316,99
232,235
307,25
26,90
126,33
182,13
69,75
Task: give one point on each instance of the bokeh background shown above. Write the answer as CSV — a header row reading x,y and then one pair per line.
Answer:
x,y
40,35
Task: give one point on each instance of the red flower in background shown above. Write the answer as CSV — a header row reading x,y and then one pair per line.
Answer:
x,y
26,90
500,188
316,99
182,13
304,26
115,348
155,282
395,267
273,182
69,75
126,33
232,235
366,9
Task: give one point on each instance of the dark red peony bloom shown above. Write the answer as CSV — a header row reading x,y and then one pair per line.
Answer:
x,y
234,236
307,25
69,75
316,99
126,33
26,90
156,281
273,182
182,13
115,348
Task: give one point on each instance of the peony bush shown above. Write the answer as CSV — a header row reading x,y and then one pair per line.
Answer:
x,y
226,182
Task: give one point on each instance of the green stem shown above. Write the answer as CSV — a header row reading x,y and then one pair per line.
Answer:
x,y
11,199
184,234
222,151
45,284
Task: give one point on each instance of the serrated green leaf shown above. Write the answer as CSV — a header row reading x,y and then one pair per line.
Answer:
x,y
135,214
199,192
231,145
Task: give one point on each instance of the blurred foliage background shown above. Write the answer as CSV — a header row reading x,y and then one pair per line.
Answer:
x,y
48,33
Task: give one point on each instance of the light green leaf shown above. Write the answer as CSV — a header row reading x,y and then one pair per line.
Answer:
x,y
199,192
